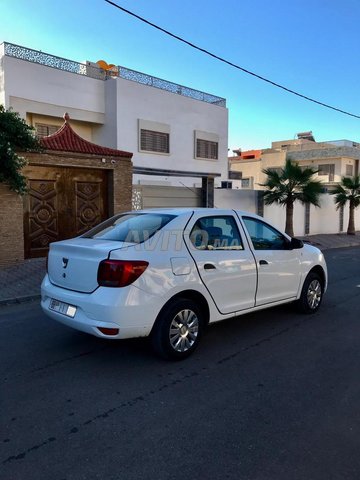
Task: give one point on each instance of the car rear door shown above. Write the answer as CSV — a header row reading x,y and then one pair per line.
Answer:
x,y
224,260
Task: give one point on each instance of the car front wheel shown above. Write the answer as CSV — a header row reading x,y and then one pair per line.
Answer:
x,y
311,294
178,330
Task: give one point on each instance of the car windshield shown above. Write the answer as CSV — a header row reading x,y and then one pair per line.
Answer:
x,y
130,227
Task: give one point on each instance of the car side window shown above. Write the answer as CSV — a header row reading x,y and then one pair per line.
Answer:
x,y
263,236
216,233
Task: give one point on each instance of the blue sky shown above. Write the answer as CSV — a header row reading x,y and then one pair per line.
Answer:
x,y
311,46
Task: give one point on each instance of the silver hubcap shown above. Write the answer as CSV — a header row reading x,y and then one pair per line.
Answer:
x,y
184,330
314,294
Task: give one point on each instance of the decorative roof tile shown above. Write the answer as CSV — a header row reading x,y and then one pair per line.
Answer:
x,y
66,140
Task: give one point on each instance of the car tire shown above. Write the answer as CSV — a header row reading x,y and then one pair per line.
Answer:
x,y
178,329
311,294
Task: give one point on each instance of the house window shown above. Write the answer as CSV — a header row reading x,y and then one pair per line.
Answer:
x,y
349,170
245,183
206,149
235,175
206,145
154,137
151,141
226,184
327,169
43,130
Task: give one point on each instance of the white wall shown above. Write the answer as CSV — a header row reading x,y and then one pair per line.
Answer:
x,y
325,219
275,215
34,88
184,115
235,199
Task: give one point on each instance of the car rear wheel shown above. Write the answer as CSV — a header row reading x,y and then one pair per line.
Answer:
x,y
311,294
178,329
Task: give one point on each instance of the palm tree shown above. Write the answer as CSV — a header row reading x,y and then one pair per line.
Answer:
x,y
292,183
348,191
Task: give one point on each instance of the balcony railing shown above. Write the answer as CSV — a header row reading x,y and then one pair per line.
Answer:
x,y
91,70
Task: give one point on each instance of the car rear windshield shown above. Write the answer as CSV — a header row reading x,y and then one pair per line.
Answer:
x,y
130,227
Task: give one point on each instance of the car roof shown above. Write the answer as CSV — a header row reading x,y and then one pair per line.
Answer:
x,y
204,210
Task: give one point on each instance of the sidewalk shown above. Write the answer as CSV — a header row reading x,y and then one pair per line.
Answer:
x,y
333,240
21,282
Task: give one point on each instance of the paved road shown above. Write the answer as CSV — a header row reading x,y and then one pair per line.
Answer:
x,y
273,395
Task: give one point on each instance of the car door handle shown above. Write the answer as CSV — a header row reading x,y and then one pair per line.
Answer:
x,y
263,262
209,266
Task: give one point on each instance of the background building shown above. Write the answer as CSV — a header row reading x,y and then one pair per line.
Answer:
x,y
332,159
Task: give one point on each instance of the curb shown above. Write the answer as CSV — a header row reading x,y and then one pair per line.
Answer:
x,y
19,300
332,247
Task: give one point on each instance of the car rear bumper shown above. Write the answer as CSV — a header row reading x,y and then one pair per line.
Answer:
x,y
129,309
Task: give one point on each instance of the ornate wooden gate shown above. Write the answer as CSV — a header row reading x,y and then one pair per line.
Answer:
x,y
62,203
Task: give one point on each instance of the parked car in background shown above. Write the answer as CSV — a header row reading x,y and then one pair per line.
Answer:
x,y
168,273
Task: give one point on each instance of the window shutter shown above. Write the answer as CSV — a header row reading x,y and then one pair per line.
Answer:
x,y
43,130
154,141
206,149
349,170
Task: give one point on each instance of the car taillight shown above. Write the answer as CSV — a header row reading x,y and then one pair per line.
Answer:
x,y
120,273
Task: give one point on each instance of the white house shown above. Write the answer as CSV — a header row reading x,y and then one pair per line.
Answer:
x,y
178,135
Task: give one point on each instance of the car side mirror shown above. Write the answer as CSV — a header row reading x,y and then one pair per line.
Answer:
x,y
295,244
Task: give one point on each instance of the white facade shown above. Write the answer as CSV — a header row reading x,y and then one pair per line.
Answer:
x,y
111,111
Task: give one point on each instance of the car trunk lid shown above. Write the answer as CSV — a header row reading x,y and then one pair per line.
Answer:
x,y
73,264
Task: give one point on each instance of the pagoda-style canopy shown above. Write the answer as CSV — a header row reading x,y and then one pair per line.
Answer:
x,y
66,140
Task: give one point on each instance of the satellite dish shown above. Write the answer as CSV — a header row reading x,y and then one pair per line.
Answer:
x,y
110,69
102,64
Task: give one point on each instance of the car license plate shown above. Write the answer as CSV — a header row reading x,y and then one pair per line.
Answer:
x,y
61,307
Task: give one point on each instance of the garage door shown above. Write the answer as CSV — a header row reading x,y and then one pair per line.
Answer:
x,y
154,196
61,203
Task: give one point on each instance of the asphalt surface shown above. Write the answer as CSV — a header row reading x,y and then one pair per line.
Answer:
x,y
270,395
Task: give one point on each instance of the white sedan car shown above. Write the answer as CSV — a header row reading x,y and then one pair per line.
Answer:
x,y
168,273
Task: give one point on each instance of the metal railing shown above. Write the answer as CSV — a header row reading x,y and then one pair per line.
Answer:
x,y
156,82
36,56
91,70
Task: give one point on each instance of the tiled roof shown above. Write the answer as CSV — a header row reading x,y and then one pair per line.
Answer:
x,y
66,140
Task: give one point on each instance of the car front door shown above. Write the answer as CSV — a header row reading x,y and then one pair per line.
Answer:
x,y
224,261
279,271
